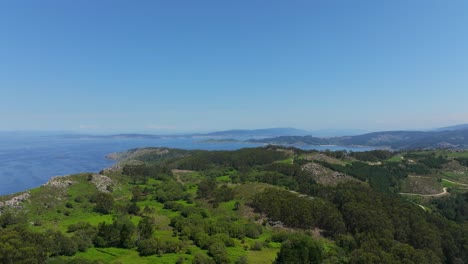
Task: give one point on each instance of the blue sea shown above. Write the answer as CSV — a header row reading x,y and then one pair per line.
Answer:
x,y
28,161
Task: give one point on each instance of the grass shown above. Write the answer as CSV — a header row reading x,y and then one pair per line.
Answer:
x,y
124,256
234,253
223,179
396,158
189,176
287,161
248,190
448,153
453,176
264,256
93,219
463,154
228,206
448,184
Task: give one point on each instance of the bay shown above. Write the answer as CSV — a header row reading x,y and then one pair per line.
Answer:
x,y
28,161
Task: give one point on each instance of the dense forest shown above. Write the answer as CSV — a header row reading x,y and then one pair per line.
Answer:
x,y
257,205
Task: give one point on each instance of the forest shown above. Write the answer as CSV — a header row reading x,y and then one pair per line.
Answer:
x,y
254,205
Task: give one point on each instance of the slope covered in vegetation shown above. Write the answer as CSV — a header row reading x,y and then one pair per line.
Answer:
x,y
259,205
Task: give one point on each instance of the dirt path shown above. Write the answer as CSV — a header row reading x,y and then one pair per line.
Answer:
x,y
429,195
463,184
177,173
436,194
423,177
177,176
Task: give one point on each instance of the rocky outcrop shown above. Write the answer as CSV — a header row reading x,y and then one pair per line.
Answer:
x,y
14,202
61,182
102,182
324,175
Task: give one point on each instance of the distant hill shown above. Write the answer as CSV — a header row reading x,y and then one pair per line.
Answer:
x,y
226,134
267,132
455,127
455,137
337,132
141,136
397,140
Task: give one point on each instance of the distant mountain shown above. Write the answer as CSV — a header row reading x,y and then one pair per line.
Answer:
x,y
267,132
336,132
227,134
84,136
456,127
397,140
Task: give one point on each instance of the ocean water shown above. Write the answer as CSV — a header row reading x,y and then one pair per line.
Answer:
x,y
29,161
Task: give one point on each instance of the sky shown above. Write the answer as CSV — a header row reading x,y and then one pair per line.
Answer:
x,y
184,66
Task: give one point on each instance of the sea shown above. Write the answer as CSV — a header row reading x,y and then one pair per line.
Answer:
x,y
28,161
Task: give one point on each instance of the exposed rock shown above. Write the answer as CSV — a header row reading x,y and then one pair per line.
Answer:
x,y
275,223
102,182
15,202
61,182
324,175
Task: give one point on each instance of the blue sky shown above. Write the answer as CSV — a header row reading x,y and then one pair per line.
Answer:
x,y
178,66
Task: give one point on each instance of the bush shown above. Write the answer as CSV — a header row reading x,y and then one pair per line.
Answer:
x,y
257,246
218,251
242,260
201,258
253,230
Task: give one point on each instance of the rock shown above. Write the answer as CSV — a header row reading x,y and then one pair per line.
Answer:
x,y
102,182
15,202
59,182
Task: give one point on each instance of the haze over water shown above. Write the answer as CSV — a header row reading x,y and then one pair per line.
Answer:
x,y
30,161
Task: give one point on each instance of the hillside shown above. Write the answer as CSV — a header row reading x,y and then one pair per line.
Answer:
x,y
397,140
258,205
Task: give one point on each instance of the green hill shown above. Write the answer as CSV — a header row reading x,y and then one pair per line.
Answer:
x,y
247,206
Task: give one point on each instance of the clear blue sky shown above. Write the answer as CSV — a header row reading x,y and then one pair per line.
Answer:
x,y
159,66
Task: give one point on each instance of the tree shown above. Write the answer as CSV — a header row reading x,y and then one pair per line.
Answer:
x,y
121,233
133,208
300,249
145,228
148,247
137,194
22,246
126,235
218,251
206,188
104,203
